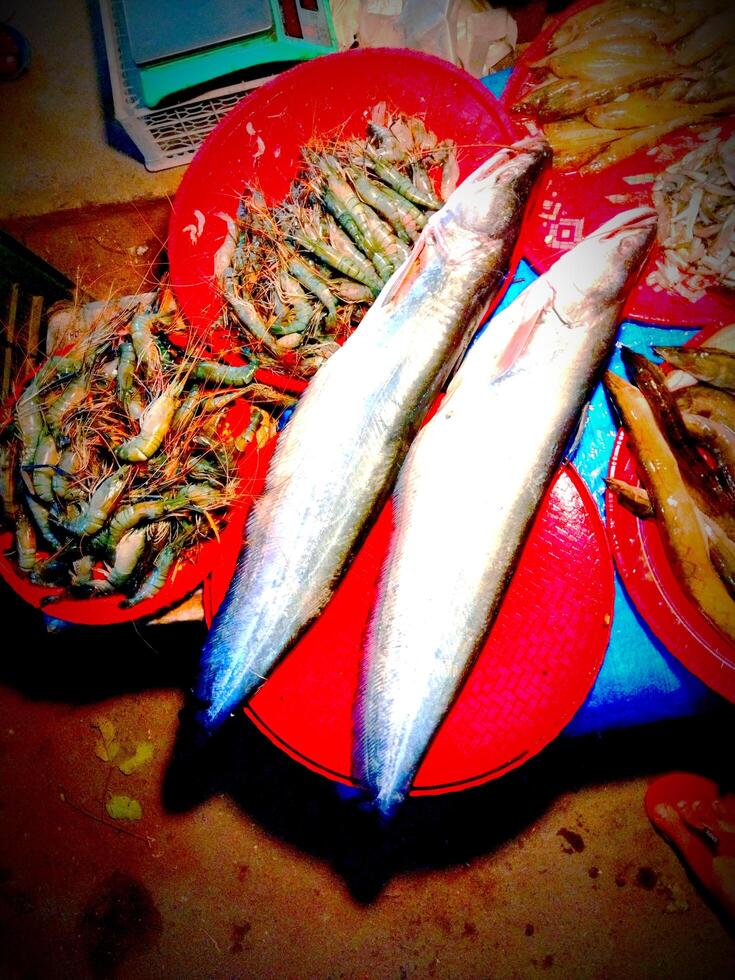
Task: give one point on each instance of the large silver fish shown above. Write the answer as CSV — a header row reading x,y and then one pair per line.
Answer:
x,y
469,489
338,457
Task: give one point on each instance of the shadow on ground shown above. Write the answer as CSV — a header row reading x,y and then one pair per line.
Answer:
x,y
329,821
85,665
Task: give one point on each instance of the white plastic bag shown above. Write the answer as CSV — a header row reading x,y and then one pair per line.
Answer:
x,y
466,32
469,33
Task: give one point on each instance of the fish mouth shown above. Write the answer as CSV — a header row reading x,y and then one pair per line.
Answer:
x,y
632,231
510,173
622,238
633,220
506,159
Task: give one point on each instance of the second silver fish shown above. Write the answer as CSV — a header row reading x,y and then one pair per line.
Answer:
x,y
469,489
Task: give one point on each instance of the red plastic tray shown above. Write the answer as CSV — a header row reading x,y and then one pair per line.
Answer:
x,y
653,586
194,567
566,205
534,672
329,95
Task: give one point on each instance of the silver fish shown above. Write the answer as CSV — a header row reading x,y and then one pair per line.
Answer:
x,y
469,489
338,457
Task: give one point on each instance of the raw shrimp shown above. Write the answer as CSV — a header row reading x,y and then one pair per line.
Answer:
x,y
29,421
394,178
144,343
247,314
68,468
422,181
184,414
25,543
154,424
74,394
162,567
310,280
101,504
127,553
347,265
40,515
44,465
232,375
131,515
8,499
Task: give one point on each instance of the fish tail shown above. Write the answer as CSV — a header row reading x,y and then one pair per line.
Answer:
x,y
224,680
378,795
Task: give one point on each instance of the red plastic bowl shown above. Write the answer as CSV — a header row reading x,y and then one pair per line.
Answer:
x,y
566,205
533,673
194,566
644,567
331,95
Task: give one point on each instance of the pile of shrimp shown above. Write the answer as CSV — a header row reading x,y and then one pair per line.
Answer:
x,y
113,457
681,429
299,277
621,74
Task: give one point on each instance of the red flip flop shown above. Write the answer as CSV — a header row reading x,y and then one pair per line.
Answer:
x,y
689,811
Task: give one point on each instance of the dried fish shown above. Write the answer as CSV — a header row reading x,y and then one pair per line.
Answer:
x,y
643,67
695,199
677,513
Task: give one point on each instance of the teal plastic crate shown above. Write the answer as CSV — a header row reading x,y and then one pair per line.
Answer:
x,y
170,134
179,50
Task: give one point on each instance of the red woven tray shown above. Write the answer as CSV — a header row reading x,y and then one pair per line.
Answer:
x,y
654,588
534,672
565,206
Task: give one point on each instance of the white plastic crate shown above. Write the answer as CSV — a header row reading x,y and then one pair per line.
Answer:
x,y
170,136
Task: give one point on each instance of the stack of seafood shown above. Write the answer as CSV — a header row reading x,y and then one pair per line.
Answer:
x,y
681,429
299,277
114,457
438,596
370,398
621,74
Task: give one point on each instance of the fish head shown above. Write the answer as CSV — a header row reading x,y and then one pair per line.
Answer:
x,y
480,219
594,276
491,199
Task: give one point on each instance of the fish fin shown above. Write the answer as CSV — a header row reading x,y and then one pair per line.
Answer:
x,y
518,322
519,341
528,312
576,437
406,275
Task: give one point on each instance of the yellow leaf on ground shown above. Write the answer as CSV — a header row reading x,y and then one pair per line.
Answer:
x,y
106,752
106,748
121,807
143,754
105,727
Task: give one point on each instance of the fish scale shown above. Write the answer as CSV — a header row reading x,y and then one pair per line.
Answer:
x,y
339,455
476,474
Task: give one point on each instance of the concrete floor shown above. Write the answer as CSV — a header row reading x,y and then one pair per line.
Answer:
x,y
244,864
53,154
